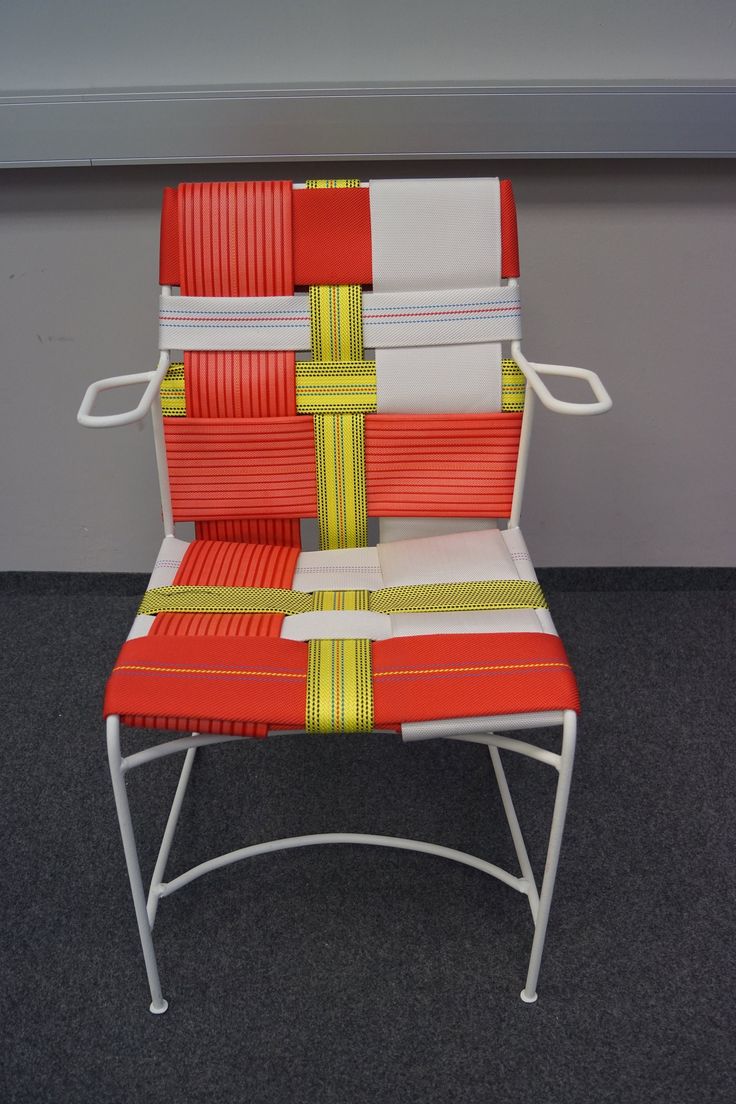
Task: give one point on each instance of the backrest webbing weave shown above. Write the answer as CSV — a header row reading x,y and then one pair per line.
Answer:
x,y
246,459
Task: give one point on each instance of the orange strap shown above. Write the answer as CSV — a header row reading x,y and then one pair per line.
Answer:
x,y
442,465
414,678
235,238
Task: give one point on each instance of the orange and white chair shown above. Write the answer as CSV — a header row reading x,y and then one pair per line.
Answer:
x,y
350,351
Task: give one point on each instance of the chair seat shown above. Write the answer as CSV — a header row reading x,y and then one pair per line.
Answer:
x,y
240,673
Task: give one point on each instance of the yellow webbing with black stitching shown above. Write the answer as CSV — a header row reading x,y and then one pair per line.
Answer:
x,y
336,321
484,594
216,599
340,600
513,386
336,387
173,397
339,686
343,386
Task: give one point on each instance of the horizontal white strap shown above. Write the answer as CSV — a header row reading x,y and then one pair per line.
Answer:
x,y
390,320
452,558
337,625
338,569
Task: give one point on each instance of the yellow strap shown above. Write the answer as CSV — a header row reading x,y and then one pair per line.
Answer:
x,y
485,594
336,387
339,442
340,600
173,396
333,183
336,321
513,386
214,599
339,686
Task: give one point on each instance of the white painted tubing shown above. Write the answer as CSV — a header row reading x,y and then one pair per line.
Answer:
x,y
516,833
533,372
85,416
491,740
168,837
167,888
171,747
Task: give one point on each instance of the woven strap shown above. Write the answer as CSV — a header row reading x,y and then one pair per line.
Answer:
x,y
485,594
347,387
499,594
391,320
336,387
415,679
339,686
336,327
217,599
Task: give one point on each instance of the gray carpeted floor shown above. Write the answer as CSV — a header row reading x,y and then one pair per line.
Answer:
x,y
357,974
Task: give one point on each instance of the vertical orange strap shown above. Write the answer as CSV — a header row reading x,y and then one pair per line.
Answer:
x,y
509,234
235,238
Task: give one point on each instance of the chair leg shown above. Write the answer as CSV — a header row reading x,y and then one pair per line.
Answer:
x,y
158,1004
569,729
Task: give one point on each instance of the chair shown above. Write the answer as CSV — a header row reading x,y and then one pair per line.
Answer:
x,y
349,351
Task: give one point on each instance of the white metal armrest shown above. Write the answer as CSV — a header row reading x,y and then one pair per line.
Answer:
x,y
533,373
85,416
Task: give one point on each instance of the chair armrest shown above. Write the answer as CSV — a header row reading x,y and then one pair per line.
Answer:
x,y
85,416
534,371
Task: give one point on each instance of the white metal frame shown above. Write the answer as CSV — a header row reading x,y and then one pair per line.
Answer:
x,y
146,904
540,899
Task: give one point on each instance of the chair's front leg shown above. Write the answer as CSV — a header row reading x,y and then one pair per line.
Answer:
x,y
569,729
158,1004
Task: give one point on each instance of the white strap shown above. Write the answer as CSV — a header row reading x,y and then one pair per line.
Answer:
x,y
390,319
461,379
435,233
337,625
453,558
338,569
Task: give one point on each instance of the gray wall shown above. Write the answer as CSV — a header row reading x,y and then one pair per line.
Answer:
x,y
628,269
87,44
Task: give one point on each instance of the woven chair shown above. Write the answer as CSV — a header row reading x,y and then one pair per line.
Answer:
x,y
347,351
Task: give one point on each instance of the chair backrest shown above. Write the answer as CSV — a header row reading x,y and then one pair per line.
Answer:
x,y
358,367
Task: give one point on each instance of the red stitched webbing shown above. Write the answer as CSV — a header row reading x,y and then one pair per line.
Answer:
x,y
509,235
332,236
169,248
194,681
236,239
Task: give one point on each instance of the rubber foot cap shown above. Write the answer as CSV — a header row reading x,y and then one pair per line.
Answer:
x,y
526,998
158,1009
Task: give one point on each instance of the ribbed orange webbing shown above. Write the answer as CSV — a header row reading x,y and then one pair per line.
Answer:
x,y
235,238
241,468
417,465
443,465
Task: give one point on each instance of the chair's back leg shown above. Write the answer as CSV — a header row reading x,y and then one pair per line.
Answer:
x,y
569,729
158,1004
